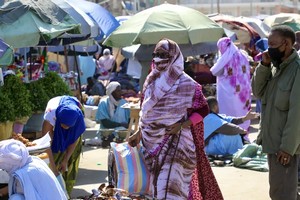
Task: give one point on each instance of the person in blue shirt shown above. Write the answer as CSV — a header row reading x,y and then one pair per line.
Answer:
x,y
222,134
110,113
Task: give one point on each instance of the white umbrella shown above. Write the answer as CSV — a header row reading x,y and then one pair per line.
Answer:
x,y
261,27
89,28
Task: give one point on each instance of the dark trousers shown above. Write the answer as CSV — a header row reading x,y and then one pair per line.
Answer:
x,y
283,180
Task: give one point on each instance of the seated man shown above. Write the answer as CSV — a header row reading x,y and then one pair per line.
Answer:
x,y
94,87
110,114
30,177
221,132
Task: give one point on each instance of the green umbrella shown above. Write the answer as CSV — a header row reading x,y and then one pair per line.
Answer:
x,y
181,24
23,26
6,54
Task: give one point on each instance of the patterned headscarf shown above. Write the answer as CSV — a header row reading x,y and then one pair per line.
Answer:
x,y
68,113
159,81
13,155
228,51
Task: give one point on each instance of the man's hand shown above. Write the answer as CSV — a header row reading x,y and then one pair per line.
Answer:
x,y
251,115
283,157
266,59
244,132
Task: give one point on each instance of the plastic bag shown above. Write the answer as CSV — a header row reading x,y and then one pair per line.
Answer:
x,y
132,172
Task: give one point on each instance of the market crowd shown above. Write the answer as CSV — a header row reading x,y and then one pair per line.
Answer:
x,y
191,109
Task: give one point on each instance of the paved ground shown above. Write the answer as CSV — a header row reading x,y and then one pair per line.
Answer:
x,y
235,183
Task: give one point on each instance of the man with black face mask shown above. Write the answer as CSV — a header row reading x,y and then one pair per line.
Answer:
x,y
276,81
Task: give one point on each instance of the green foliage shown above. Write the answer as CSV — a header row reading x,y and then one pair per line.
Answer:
x,y
38,96
7,112
18,94
54,85
18,99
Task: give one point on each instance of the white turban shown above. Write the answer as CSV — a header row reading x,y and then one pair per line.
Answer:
x,y
106,51
13,155
112,86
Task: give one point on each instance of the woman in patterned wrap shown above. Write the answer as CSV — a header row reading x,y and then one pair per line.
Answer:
x,y
171,130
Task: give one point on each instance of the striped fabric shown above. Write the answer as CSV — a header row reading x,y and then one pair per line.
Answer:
x,y
133,175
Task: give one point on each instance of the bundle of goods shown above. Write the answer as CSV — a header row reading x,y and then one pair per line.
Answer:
x,y
18,136
106,191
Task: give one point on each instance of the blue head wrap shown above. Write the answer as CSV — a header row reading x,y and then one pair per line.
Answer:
x,y
68,113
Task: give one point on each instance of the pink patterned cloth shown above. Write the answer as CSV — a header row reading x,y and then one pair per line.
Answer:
x,y
195,118
233,81
171,96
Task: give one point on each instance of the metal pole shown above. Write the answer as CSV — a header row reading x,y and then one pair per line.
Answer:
x,y
211,6
78,71
251,8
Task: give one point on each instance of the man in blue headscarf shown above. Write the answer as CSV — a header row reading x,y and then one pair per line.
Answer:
x,y
64,120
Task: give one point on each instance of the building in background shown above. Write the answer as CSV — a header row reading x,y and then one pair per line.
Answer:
x,y
229,7
243,7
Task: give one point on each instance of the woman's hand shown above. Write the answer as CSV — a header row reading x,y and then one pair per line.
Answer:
x,y
174,128
63,167
135,139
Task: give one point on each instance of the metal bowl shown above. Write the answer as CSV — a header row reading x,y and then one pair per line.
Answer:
x,y
106,132
122,133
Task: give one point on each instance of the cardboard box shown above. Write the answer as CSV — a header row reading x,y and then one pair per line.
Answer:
x,y
90,112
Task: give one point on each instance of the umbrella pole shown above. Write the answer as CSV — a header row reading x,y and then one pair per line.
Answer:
x,y
25,65
30,63
66,58
77,69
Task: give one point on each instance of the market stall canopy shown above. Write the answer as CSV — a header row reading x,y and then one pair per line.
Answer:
x,y
6,54
26,23
290,19
245,33
259,26
106,22
88,29
89,48
181,24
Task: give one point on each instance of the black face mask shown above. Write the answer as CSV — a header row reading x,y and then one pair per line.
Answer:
x,y
276,54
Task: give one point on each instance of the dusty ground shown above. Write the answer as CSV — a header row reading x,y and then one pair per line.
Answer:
x,y
235,183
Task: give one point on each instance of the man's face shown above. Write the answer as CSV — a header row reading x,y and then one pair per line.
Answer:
x,y
117,94
277,41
